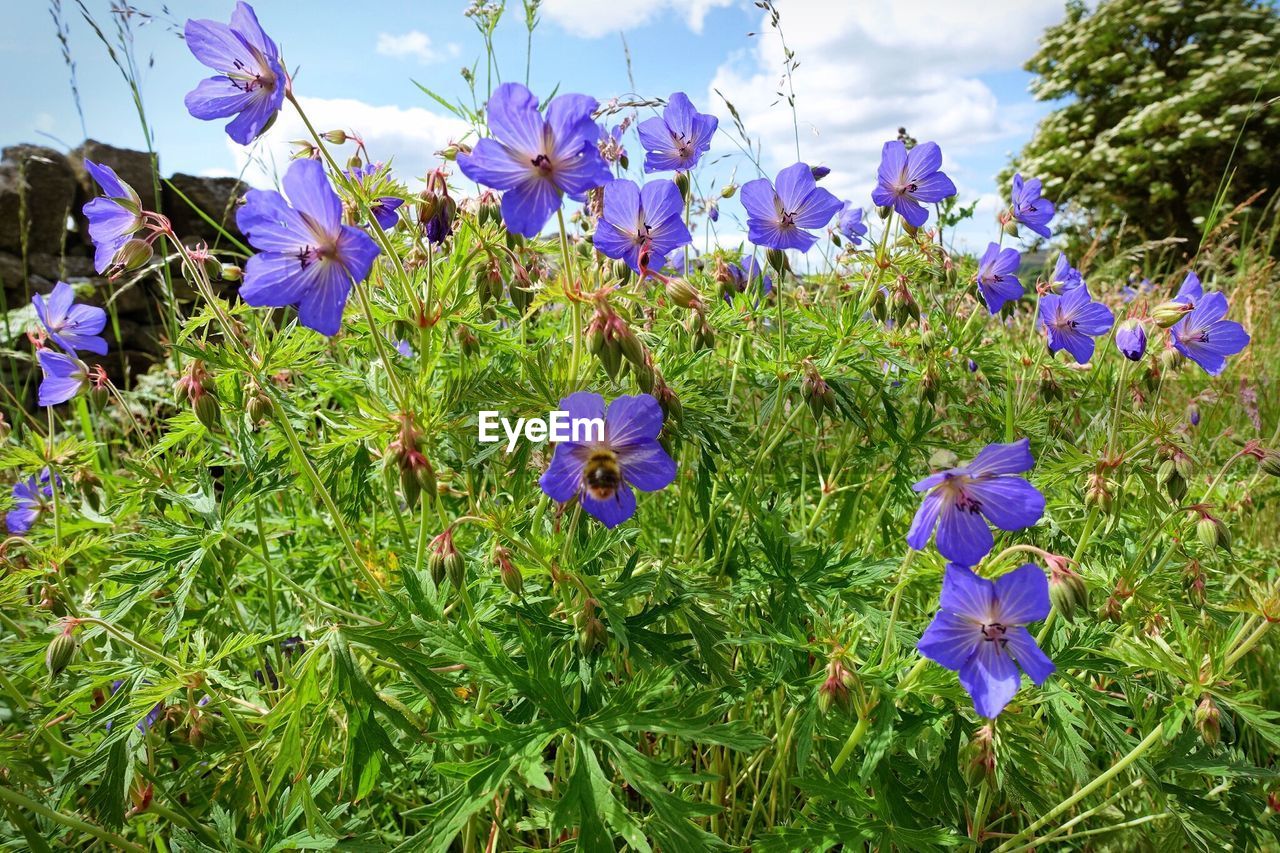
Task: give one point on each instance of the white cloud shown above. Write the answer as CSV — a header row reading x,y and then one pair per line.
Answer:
x,y
404,136
414,45
595,18
868,68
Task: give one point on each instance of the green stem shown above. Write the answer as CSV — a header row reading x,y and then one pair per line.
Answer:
x,y
13,797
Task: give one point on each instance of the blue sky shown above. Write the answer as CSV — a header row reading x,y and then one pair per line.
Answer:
x,y
947,69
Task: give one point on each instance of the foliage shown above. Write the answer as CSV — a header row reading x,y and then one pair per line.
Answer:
x,y
1165,110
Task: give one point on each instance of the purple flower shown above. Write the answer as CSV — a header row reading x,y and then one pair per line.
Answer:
x,y
30,498
776,219
1029,207
1131,293
979,633
153,716
747,274
675,141
1073,320
72,327
384,208
610,145
962,500
1191,291
64,377
1205,337
306,256
250,83
114,218
1066,276
405,349
1131,339
997,279
907,178
641,225
535,159
600,474
849,223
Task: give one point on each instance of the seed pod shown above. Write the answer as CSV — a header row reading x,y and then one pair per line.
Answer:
x,y
621,271
336,137
883,211
455,568
1176,487
777,259
979,757
1171,359
59,654
1183,465
1270,462
133,255
1011,227
630,346
682,184
511,577
258,406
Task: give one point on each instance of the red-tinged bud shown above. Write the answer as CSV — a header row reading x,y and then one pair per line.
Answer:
x,y
140,795
444,561
835,689
1100,491
61,650
591,631
511,577
1208,720
467,341
1067,589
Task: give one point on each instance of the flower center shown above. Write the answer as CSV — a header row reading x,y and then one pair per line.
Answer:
x,y
542,163
994,632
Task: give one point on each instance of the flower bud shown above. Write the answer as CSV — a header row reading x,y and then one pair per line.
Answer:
x,y
820,172
61,649
336,137
682,184
1208,721
1011,227
231,272
1167,313
511,577
1212,533
207,412
1067,590
1131,339
729,191
1171,359
682,293
591,631
621,271
1099,492
258,406
133,255
1270,462
777,260
883,211
979,757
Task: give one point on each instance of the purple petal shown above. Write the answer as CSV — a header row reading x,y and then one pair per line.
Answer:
x,y
1034,662
950,640
308,189
963,536
794,185
1022,596
647,466
1010,503
1013,458
563,478
527,207
612,511
661,202
926,519
967,594
992,679
633,420
495,165
514,119
759,199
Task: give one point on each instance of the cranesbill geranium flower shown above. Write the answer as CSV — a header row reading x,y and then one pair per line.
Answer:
x,y
979,633
849,223
907,178
1205,337
1029,207
31,497
113,218
535,159
745,275
960,501
72,327
1131,339
383,208
1065,276
250,83
776,218
1072,320
64,377
997,279
306,256
601,474
675,141
641,225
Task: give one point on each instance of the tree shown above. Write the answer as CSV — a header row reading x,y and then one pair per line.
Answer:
x,y
1154,99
